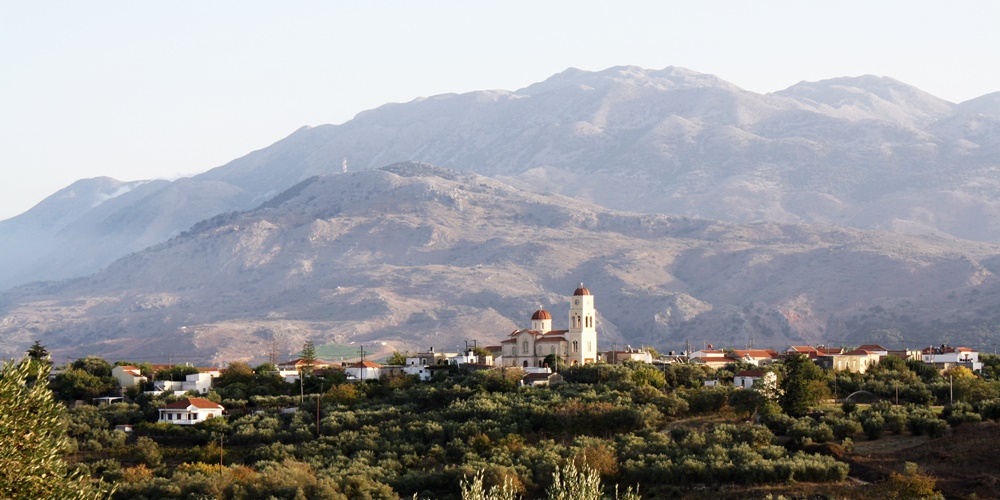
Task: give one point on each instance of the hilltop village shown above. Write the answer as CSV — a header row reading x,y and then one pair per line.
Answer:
x,y
542,407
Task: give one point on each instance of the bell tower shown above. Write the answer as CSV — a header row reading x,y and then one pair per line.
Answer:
x,y
582,335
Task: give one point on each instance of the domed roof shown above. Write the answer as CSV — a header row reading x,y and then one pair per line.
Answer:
x,y
581,290
541,314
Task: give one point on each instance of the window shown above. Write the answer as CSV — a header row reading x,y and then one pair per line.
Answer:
x,y
524,347
590,346
576,346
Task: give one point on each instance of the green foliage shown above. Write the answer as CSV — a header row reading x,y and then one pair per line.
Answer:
x,y
147,451
308,357
176,373
571,483
397,358
960,413
32,438
38,352
82,384
707,399
910,485
474,489
798,393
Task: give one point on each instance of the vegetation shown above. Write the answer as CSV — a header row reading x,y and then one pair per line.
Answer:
x,y
32,439
481,435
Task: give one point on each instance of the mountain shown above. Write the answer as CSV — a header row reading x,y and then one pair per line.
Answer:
x,y
866,152
415,256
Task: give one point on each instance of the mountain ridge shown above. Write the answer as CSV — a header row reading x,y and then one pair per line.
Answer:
x,y
416,255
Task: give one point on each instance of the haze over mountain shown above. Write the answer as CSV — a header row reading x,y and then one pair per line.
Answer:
x,y
849,211
414,255
866,152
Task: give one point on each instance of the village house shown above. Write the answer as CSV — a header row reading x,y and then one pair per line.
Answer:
x,y
577,346
128,376
541,379
945,357
363,370
429,357
756,357
711,357
616,357
747,379
190,411
808,350
856,361
199,382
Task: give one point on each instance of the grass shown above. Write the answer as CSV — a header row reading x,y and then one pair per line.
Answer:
x,y
338,352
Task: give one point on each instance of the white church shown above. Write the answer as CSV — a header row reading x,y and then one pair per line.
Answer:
x,y
576,346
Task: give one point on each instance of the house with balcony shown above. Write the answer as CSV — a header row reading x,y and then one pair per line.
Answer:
x,y
190,411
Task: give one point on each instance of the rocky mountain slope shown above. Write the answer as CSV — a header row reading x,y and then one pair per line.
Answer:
x,y
415,256
864,152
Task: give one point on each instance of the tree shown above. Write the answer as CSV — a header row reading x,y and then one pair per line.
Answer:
x,y
798,391
237,372
475,489
32,438
308,357
570,483
555,362
38,352
397,358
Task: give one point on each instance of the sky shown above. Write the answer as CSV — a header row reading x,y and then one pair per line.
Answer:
x,y
143,90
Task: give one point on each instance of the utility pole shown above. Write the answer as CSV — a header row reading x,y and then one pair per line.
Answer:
x,y
361,351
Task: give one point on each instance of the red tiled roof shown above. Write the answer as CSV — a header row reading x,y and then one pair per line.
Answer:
x,y
132,370
551,339
872,347
804,348
859,352
751,373
366,364
196,402
541,314
754,353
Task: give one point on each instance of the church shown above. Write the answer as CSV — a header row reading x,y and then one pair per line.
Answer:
x,y
576,346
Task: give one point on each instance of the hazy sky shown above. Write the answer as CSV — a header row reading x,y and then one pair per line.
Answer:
x,y
137,90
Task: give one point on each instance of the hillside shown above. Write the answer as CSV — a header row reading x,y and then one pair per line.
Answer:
x,y
417,256
865,152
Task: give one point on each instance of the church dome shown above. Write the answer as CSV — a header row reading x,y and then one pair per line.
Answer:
x,y
541,314
581,290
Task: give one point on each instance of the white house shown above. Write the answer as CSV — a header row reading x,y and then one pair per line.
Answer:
x,y
190,411
747,378
421,371
363,370
200,382
756,357
617,357
945,356
128,376
764,381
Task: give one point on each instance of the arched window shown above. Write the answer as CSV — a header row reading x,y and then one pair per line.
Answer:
x,y
576,346
590,346
524,347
